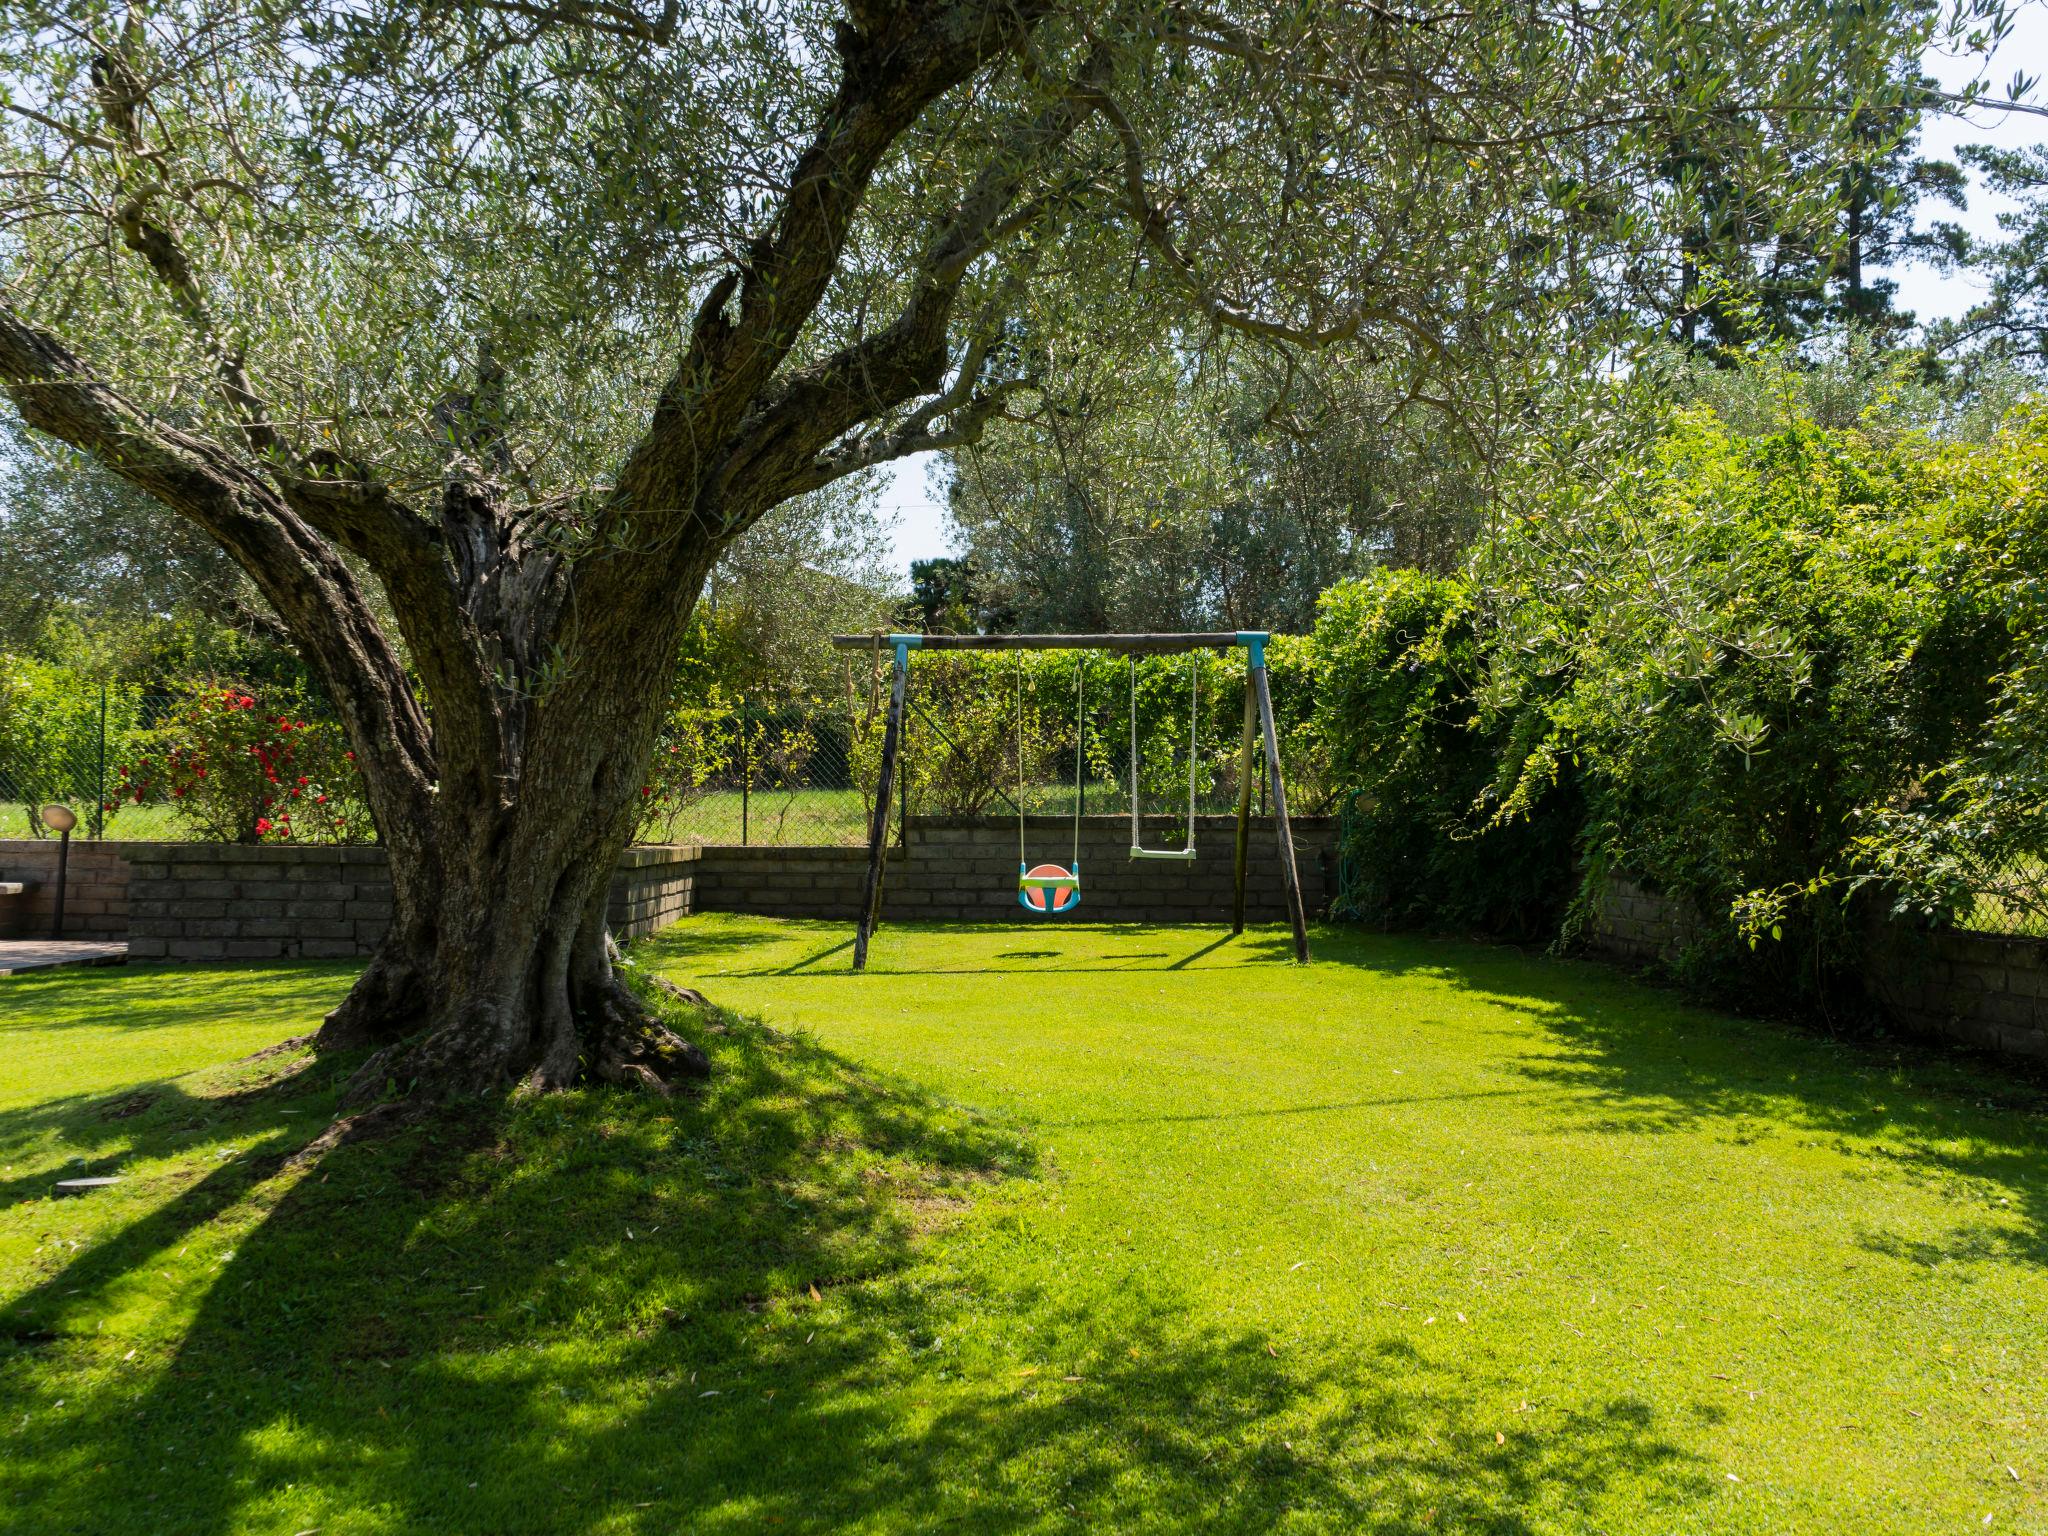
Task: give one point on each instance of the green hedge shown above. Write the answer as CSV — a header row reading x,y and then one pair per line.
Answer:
x,y
1762,674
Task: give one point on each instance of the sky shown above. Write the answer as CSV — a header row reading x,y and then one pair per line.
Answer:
x,y
921,529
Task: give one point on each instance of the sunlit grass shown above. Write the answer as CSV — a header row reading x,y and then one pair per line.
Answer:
x,y
1029,1230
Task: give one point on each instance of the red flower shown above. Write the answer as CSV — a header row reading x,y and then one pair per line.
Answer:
x,y
263,825
320,799
350,756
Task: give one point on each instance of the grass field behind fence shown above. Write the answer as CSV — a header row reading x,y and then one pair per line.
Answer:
x,y
1026,1231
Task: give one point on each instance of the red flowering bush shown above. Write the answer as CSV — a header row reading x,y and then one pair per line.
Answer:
x,y
240,772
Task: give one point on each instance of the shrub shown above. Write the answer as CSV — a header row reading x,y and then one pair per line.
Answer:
x,y
50,729
696,746
1775,638
1400,659
238,771
1796,679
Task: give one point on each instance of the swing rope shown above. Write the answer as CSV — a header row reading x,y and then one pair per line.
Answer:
x,y
1138,850
1022,859
1080,750
1080,759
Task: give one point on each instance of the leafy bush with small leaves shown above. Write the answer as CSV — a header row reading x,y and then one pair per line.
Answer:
x,y
50,729
1401,657
1792,678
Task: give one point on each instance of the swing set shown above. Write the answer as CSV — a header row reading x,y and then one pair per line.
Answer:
x,y
1049,889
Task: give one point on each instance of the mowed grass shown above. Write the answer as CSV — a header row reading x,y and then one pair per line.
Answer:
x,y
1030,1230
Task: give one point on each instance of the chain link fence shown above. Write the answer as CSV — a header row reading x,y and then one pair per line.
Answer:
x,y
2010,901
766,774
804,774
69,749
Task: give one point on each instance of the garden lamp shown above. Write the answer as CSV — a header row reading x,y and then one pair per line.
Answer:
x,y
60,819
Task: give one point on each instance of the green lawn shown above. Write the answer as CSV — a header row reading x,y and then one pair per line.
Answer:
x,y
1026,1230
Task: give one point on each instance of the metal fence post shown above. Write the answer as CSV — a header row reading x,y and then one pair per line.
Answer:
x,y
746,770
99,789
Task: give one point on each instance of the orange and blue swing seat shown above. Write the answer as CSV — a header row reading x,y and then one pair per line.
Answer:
x,y
1044,888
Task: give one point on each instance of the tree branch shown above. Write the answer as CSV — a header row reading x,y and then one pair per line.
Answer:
x,y
785,444
302,577
897,59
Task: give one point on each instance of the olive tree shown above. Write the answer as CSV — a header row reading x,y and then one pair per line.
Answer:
x,y
524,310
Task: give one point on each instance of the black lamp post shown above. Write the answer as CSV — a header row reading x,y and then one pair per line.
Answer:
x,y
60,819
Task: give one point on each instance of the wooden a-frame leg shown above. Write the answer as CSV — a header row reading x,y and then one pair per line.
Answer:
x,y
1289,875
1244,804
878,827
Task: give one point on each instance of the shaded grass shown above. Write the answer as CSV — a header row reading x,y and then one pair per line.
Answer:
x,y
1422,1237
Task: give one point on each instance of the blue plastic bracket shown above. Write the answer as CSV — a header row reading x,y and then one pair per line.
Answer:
x,y
1254,641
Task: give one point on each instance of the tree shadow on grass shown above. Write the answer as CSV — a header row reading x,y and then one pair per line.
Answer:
x,y
1623,1057
769,1307
695,948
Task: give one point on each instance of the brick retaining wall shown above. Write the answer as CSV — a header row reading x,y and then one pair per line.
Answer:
x,y
211,901
95,889
1981,990
958,870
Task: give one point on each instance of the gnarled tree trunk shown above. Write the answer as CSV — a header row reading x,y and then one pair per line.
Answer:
x,y
498,967
545,636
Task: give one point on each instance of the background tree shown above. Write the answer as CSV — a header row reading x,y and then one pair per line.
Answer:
x,y
814,567
532,310
2011,323
1140,499
86,555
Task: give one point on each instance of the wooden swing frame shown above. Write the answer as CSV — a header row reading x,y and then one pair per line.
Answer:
x,y
1258,720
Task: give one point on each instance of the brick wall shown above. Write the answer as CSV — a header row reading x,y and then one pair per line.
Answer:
x,y
210,901
207,901
652,889
95,889
1983,991
1636,925
967,870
